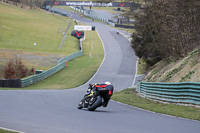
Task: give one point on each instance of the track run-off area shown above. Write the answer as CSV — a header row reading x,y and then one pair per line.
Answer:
x,y
55,111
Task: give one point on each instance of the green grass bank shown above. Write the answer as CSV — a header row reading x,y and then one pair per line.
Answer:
x,y
21,28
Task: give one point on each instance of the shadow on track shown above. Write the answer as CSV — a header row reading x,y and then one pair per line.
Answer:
x,y
101,111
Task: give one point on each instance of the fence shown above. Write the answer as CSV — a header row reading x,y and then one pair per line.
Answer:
x,y
184,92
57,10
85,12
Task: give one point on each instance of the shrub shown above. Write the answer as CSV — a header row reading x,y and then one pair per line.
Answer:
x,y
15,69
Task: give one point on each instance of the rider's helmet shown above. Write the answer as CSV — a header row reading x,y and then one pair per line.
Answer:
x,y
107,83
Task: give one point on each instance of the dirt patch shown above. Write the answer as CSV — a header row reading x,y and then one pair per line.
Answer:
x,y
31,59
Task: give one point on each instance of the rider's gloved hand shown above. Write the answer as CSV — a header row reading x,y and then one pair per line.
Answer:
x,y
89,89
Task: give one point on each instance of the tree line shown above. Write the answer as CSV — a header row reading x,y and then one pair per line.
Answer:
x,y
166,29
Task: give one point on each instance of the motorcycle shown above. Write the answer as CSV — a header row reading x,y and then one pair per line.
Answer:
x,y
94,99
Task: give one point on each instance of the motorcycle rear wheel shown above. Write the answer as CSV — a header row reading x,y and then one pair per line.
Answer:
x,y
95,103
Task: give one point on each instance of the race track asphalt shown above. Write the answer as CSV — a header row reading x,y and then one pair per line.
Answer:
x,y
55,111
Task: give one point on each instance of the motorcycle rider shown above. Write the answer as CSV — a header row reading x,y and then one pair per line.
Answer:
x,y
107,85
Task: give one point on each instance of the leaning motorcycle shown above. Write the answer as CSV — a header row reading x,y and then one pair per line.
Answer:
x,y
93,100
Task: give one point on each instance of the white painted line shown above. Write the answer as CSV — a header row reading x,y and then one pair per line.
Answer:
x,y
91,50
103,58
10,130
135,73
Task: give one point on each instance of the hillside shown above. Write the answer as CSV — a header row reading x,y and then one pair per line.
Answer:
x,y
34,35
186,69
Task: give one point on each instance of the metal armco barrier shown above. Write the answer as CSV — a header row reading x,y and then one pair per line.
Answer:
x,y
124,26
183,92
36,78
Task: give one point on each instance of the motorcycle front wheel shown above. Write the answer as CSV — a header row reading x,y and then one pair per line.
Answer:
x,y
80,105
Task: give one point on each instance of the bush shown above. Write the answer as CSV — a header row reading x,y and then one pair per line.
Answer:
x,y
15,69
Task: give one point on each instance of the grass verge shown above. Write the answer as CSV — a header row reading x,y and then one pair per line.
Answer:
x,y
6,131
130,97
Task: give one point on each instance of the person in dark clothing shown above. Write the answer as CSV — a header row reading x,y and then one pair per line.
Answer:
x,y
106,86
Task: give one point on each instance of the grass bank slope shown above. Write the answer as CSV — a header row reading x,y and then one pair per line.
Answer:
x,y
186,69
34,36
20,29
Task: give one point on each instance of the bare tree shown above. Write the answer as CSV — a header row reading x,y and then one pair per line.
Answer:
x,y
166,29
15,69
30,3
